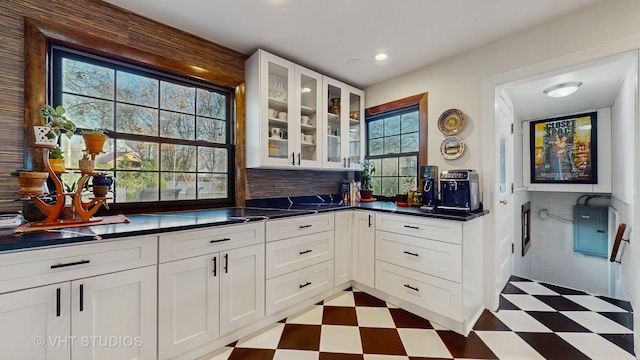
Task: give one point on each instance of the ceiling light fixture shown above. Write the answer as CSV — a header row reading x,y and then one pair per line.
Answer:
x,y
306,90
381,56
562,90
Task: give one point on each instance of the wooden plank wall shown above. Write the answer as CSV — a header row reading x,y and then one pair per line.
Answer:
x,y
95,18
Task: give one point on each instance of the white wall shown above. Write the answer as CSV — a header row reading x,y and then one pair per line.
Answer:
x,y
624,114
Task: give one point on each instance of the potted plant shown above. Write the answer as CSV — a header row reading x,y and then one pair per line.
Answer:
x,y
368,168
57,123
86,163
409,186
56,160
101,183
31,182
94,140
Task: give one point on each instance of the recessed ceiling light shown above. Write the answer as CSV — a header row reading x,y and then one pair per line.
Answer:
x,y
354,62
562,90
381,56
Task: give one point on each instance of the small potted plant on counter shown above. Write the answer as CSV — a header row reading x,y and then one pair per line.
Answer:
x,y
86,163
57,123
94,140
56,160
31,182
368,168
101,183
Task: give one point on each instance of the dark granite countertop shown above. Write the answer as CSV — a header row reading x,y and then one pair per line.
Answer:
x,y
257,210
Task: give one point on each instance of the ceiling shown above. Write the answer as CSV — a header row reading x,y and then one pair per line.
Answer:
x,y
601,81
327,35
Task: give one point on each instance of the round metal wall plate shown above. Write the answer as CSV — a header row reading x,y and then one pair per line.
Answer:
x,y
451,122
452,147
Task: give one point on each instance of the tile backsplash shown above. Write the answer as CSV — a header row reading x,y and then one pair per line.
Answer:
x,y
270,183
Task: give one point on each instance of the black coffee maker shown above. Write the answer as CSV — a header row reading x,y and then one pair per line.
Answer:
x,y
429,175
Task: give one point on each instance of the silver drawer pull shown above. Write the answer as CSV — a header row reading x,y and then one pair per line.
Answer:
x,y
305,284
305,252
305,226
410,253
219,240
412,227
411,287
70,264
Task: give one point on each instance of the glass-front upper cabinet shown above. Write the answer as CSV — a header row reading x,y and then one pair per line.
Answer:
x,y
343,145
308,112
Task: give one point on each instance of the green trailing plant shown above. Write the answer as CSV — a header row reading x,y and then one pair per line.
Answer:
x,y
368,169
101,132
57,121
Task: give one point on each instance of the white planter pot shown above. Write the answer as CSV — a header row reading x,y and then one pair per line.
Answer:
x,y
41,138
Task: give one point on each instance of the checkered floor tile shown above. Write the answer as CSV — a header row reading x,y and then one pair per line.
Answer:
x,y
534,321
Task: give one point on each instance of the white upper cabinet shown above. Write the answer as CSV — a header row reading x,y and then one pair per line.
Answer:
x,y
344,130
290,121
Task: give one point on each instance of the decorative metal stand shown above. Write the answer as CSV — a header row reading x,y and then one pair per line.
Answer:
x,y
84,209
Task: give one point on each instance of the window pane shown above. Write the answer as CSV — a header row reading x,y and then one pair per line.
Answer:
x,y
87,79
138,186
408,165
177,97
377,185
389,167
212,104
178,126
89,113
392,125
214,186
212,130
137,120
389,186
174,185
137,89
137,155
212,159
178,157
376,129
409,142
392,144
375,146
409,122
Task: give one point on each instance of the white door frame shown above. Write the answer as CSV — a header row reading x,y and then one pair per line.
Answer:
x,y
490,88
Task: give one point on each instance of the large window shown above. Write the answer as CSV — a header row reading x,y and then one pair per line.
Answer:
x,y
396,144
170,137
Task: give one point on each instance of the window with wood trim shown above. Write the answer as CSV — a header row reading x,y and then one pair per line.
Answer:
x,y
170,137
397,144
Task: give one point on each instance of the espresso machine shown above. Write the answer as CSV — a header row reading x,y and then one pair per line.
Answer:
x,y
429,175
460,190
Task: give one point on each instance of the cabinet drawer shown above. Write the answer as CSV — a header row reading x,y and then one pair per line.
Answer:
x,y
442,230
292,254
432,293
31,268
185,244
298,225
436,258
292,288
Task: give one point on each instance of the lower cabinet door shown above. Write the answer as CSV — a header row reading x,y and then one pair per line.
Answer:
x,y
188,304
429,292
242,275
292,288
34,323
113,316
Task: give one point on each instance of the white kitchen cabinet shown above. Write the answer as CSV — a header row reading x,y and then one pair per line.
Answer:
x,y
299,260
342,247
343,146
98,307
363,242
289,122
283,113
29,319
204,297
433,264
116,315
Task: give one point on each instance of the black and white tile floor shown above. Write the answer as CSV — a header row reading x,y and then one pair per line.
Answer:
x,y
534,321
